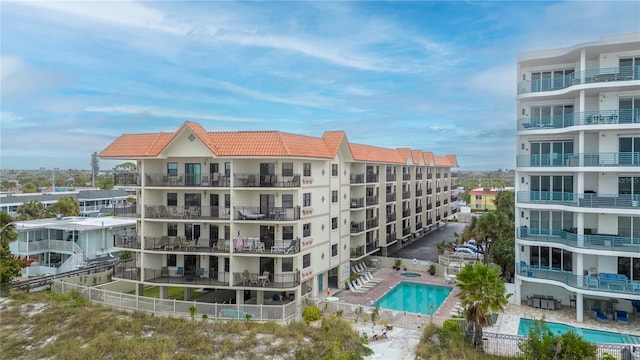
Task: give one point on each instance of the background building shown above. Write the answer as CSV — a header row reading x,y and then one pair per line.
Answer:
x,y
578,174
271,213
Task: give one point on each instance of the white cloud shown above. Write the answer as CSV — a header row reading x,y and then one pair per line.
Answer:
x,y
141,110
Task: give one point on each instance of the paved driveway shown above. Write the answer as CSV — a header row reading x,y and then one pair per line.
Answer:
x,y
426,248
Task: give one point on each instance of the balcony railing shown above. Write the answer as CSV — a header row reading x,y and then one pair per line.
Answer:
x,y
186,180
429,176
418,209
590,76
391,217
126,179
406,213
429,191
438,189
587,282
438,175
594,241
418,225
186,276
453,198
372,223
372,177
446,175
357,227
587,200
446,188
372,246
429,221
406,231
126,271
357,178
391,237
391,197
445,214
372,200
253,245
438,218
260,280
406,176
418,176
406,194
391,176
357,251
437,203
418,192
129,241
429,206
454,210
181,244
602,159
270,214
186,212
602,117
256,180
357,203
445,201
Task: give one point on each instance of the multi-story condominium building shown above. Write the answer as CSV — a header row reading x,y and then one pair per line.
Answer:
x,y
271,213
578,176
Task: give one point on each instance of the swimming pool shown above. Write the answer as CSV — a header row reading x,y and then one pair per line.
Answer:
x,y
594,336
410,274
414,298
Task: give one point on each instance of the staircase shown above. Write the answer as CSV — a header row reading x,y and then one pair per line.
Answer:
x,y
75,261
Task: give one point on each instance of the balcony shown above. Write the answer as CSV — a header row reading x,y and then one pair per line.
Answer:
x,y
126,271
129,211
445,214
406,213
391,217
454,210
438,189
357,251
372,200
126,179
446,175
187,180
418,209
391,177
253,245
429,221
244,180
391,237
391,197
372,177
260,280
418,226
446,188
429,191
187,276
584,282
587,200
418,192
438,203
429,206
429,176
406,194
406,176
406,231
271,214
595,118
357,203
597,241
603,159
590,76
372,223
418,176
128,241
438,175
453,198
357,178
174,244
186,212
438,218
357,227
445,201
372,246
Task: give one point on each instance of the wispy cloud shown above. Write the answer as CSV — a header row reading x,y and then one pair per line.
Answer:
x,y
142,110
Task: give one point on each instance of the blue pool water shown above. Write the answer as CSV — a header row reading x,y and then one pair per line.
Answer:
x,y
594,336
410,274
414,298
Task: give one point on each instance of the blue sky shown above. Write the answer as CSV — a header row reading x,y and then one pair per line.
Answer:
x,y
436,76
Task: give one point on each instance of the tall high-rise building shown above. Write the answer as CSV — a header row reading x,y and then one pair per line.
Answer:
x,y
578,176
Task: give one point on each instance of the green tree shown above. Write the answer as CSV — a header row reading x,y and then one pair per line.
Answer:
x,y
482,292
29,187
9,266
105,182
8,233
125,167
66,206
542,344
31,210
503,254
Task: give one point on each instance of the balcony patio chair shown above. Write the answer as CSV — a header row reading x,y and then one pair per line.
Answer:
x,y
621,317
264,279
194,212
248,214
200,272
180,271
600,316
253,279
205,180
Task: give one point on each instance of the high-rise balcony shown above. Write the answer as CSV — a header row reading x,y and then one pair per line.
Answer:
x,y
244,180
429,206
602,159
406,213
438,175
406,176
372,246
126,179
438,203
591,241
129,241
438,189
595,118
186,212
446,188
357,203
406,231
266,214
429,176
372,222
186,276
418,176
372,177
584,200
372,200
418,209
265,280
438,217
357,227
418,226
429,190
186,180
391,197
590,76
391,237
406,194
391,176
357,178
391,217
418,192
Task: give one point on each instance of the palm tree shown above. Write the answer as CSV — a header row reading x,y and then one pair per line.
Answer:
x,y
31,210
482,291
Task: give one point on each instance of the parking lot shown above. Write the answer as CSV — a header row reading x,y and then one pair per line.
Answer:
x,y
426,247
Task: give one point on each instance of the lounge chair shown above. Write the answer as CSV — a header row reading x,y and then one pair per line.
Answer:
x,y
357,286
371,278
621,317
600,317
365,285
365,282
248,214
356,291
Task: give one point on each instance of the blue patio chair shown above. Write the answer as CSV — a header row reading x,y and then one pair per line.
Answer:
x,y
621,317
200,272
180,271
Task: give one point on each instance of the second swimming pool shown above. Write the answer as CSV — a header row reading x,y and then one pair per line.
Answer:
x,y
594,336
414,298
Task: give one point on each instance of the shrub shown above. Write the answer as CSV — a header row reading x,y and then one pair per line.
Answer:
x,y
450,332
311,313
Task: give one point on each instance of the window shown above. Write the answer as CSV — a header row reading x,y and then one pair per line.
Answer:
x,y
629,109
306,229
172,169
227,169
306,261
629,148
627,66
306,169
287,201
334,196
552,116
551,80
478,197
171,260
629,267
287,233
306,199
287,264
555,153
334,223
172,199
287,169
334,250
191,200
172,229
334,169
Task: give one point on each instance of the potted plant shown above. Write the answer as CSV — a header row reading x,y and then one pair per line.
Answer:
x,y
397,265
432,269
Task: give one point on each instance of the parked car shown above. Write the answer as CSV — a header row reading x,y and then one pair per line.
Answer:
x,y
474,243
465,251
469,246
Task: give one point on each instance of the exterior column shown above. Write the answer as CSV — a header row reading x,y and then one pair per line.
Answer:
x,y
581,108
579,270
239,296
139,289
187,294
260,298
579,307
580,230
583,65
164,292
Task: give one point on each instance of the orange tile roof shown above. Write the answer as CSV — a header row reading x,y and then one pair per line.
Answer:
x,y
481,191
453,160
268,144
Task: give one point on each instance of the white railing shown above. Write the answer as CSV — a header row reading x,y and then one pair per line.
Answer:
x,y
74,262
177,308
48,245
